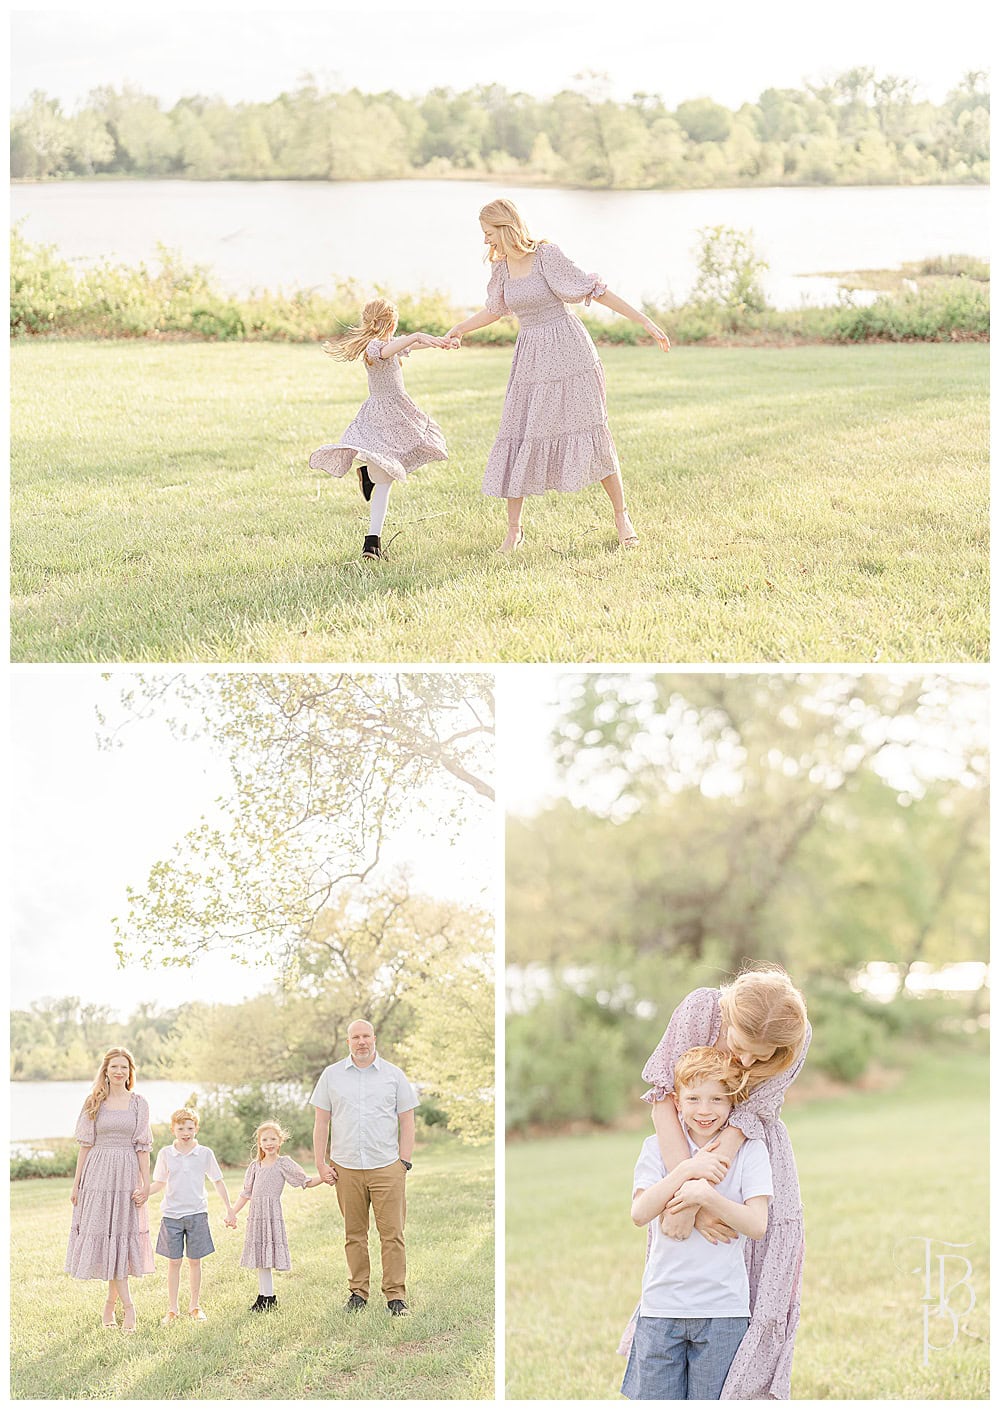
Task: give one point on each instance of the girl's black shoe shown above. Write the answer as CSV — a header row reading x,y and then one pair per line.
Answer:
x,y
372,547
256,1306
367,483
264,1303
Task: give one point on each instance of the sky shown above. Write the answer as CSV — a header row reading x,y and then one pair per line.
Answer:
x,y
89,822
730,51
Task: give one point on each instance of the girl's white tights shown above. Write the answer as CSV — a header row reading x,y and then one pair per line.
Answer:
x,y
379,505
265,1282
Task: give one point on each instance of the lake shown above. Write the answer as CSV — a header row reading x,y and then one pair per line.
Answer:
x,y
408,235
41,1110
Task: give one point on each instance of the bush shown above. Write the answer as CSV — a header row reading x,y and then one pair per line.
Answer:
x,y
229,1118
566,1060
62,1161
847,1028
729,273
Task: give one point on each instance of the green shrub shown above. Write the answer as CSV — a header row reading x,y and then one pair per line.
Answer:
x,y
847,1029
566,1060
229,1118
61,1161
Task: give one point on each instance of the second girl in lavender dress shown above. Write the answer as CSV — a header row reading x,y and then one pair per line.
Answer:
x,y
265,1244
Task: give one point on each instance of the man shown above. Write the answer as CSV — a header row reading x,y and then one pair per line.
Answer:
x,y
364,1119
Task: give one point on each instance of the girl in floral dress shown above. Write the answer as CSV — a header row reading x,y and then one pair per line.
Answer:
x,y
109,1234
554,429
760,1018
265,1244
390,432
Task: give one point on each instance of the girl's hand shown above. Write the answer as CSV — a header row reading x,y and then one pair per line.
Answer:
x,y
713,1228
691,1195
655,331
677,1226
140,1196
230,1220
707,1165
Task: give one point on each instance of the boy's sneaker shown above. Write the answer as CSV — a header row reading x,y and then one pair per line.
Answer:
x,y
196,1315
372,547
367,483
355,1303
169,1318
398,1308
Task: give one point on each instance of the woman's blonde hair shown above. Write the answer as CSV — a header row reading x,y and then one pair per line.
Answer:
x,y
764,1004
258,1154
378,319
512,233
101,1089
710,1065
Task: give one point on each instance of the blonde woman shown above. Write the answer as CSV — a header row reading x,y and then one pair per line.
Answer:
x,y
554,429
109,1235
390,432
760,1020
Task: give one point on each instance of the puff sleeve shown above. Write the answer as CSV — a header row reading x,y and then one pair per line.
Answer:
x,y
694,1023
142,1136
248,1180
293,1173
763,1105
373,351
86,1129
494,293
567,280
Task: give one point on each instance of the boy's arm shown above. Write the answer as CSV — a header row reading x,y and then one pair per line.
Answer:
x,y
157,1186
647,1204
220,1185
749,1218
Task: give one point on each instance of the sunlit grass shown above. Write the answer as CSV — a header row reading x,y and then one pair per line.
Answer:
x,y
877,1170
820,503
308,1348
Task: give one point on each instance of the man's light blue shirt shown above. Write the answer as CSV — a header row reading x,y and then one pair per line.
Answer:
x,y
365,1104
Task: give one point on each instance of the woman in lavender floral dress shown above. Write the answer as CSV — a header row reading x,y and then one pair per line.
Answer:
x,y
109,1236
760,1018
554,429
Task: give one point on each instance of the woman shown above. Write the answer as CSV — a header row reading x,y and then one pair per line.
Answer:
x,y
109,1237
760,1018
554,429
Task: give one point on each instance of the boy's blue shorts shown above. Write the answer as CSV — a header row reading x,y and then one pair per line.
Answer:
x,y
190,1229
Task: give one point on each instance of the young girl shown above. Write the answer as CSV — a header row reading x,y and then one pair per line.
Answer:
x,y
390,432
265,1244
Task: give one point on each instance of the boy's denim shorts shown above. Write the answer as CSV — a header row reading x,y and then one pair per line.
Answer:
x,y
682,1358
190,1229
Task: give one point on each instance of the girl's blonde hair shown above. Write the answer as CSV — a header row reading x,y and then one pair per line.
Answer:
x,y
258,1154
101,1089
378,320
709,1065
764,1004
512,233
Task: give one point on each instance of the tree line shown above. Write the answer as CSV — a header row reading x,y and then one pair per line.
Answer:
x,y
858,129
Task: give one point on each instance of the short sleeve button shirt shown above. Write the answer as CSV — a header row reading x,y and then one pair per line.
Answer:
x,y
364,1105
185,1174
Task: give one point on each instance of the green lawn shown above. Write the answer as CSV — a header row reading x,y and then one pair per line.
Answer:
x,y
809,504
876,1171
309,1348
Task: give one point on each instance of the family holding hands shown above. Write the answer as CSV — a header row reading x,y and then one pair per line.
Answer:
x,y
553,432
363,1143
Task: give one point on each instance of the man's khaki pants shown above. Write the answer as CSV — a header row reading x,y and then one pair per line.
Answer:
x,y
384,1191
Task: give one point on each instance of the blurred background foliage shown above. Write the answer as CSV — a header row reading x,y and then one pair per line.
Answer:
x,y
836,824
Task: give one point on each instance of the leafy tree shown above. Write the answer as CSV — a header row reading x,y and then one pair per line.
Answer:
x,y
704,121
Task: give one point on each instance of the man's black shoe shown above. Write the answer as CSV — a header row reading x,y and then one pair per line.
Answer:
x,y
398,1308
355,1303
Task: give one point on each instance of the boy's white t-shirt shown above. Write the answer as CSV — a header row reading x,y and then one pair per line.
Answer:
x,y
692,1277
185,1177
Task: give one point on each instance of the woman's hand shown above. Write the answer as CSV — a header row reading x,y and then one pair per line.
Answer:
x,y
74,1194
140,1196
706,1164
713,1228
230,1220
691,1195
655,331
677,1226
454,336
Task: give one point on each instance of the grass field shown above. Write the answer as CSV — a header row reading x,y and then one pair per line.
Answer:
x,y
809,504
876,1170
309,1348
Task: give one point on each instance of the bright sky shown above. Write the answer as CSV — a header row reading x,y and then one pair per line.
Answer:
x,y
729,51
90,822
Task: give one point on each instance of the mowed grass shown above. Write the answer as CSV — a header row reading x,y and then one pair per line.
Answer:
x,y
877,1172
308,1348
809,504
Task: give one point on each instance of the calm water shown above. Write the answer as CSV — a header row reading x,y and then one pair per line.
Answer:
x,y
409,235
41,1110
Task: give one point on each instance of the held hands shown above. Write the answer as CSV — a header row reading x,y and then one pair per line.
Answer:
x,y
230,1220
431,340
140,1196
454,337
327,1174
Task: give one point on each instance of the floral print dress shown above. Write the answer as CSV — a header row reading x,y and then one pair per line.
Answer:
x,y
109,1234
265,1244
762,1367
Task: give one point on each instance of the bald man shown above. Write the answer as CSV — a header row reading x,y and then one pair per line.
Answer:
x,y
364,1124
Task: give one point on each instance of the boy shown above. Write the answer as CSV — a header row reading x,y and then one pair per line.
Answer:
x,y
181,1168
695,1305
